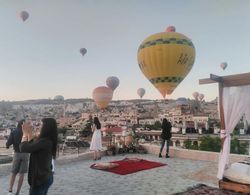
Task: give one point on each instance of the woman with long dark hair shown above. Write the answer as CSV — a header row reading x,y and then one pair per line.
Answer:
x,y
42,150
96,141
165,136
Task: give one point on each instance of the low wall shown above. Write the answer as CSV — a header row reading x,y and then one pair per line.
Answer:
x,y
191,154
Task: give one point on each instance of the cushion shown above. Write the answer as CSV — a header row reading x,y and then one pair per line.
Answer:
x,y
104,165
238,172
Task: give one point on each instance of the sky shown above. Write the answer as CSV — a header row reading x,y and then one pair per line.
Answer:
x,y
40,58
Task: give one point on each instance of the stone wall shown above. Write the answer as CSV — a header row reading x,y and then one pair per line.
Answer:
x,y
191,154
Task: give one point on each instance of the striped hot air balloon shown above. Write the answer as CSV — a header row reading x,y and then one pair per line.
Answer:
x,y
102,96
165,59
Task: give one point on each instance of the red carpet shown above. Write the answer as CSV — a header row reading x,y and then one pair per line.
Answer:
x,y
130,165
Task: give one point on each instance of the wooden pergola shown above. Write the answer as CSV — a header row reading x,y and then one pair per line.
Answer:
x,y
228,81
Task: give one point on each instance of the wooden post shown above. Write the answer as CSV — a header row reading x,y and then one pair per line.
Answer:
x,y
221,111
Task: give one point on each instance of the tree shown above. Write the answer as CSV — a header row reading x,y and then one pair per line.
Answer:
x,y
209,143
237,147
87,129
188,145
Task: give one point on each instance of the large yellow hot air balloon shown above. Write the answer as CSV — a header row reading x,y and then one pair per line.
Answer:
x,y
165,59
102,96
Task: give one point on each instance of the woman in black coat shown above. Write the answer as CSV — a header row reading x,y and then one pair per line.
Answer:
x,y
165,135
42,150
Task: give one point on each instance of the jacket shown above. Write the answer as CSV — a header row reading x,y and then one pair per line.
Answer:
x,y
15,139
40,160
166,131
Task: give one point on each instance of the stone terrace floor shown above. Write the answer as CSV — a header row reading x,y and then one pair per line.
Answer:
x,y
74,177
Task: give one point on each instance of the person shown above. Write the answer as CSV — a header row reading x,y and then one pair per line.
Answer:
x,y
165,135
42,150
20,160
96,141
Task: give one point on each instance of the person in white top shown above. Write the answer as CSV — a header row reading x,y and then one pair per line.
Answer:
x,y
96,141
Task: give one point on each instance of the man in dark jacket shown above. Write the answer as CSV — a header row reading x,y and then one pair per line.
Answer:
x,y
20,160
165,135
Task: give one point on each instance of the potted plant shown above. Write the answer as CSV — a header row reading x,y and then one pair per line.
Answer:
x,y
111,149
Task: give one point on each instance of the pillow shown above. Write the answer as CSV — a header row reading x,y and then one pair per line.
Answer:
x,y
238,172
104,165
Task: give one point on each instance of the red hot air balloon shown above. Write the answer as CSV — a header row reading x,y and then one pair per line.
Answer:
x,y
83,51
170,29
223,65
112,82
24,15
102,96
141,92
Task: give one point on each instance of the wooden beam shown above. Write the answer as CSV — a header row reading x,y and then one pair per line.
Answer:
x,y
228,81
236,80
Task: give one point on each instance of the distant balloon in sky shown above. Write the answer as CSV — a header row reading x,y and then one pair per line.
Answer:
x,y
165,59
170,29
24,15
59,98
201,96
83,51
223,65
141,92
182,101
102,96
112,82
195,95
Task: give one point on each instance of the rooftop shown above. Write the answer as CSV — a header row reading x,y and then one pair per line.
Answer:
x,y
73,175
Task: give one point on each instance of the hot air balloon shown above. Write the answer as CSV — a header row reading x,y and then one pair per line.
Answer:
x,y
182,101
165,59
58,98
141,92
102,96
195,95
24,15
83,51
223,65
201,96
112,82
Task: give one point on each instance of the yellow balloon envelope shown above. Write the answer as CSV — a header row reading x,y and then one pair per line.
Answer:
x,y
102,96
165,59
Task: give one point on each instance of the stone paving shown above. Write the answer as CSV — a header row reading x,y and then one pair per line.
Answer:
x,y
74,177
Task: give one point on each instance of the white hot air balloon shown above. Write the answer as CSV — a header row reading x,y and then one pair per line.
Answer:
x,y
24,15
112,82
195,95
201,96
141,92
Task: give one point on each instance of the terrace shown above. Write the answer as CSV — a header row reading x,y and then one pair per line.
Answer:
x,y
184,169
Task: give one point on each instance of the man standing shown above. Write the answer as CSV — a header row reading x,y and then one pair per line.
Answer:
x,y
20,160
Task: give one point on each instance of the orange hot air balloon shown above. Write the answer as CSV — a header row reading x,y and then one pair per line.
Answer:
x,y
165,59
24,15
102,96
223,65
112,82
141,92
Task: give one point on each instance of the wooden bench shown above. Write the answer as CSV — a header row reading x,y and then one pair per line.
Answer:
x,y
234,186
